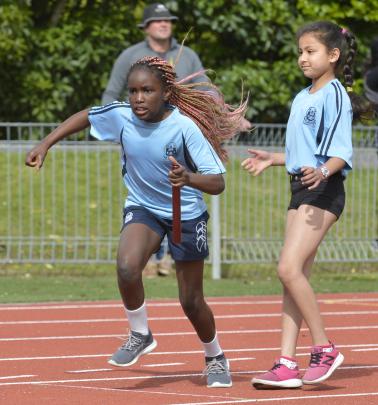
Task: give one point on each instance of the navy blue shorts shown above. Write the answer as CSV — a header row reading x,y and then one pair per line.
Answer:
x,y
329,195
193,244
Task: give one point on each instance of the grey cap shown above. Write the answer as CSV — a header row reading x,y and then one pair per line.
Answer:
x,y
156,12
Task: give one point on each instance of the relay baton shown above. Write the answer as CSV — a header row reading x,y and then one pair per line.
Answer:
x,y
176,209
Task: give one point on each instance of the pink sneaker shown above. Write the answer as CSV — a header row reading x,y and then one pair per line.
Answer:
x,y
324,361
284,374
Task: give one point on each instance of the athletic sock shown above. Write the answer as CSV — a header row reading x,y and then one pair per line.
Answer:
x,y
138,319
212,349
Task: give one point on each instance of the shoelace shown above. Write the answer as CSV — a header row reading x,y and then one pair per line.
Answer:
x,y
131,343
277,365
316,358
215,367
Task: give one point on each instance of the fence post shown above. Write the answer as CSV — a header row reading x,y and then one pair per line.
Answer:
x,y
216,237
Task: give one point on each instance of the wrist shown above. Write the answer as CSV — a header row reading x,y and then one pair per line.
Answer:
x,y
324,171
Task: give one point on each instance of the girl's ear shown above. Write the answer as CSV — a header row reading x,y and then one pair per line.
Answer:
x,y
167,95
334,55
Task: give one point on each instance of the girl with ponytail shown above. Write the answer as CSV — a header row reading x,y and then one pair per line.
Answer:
x,y
318,156
165,122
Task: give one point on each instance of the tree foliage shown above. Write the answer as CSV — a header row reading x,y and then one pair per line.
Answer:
x,y
56,55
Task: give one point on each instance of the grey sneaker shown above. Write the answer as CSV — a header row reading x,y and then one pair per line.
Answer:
x,y
218,372
135,346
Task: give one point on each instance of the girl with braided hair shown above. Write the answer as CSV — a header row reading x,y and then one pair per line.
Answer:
x,y
163,122
318,156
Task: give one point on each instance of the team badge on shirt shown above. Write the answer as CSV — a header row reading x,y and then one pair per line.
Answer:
x,y
170,149
310,117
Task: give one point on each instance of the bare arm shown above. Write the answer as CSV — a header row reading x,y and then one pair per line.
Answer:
x,y
260,160
75,123
208,183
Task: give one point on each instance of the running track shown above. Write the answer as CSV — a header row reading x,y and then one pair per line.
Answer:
x,y
56,353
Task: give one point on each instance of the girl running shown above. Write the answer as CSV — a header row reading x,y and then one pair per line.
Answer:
x,y
164,122
318,156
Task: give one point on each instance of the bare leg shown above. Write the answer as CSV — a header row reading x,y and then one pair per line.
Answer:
x,y
136,245
190,282
306,229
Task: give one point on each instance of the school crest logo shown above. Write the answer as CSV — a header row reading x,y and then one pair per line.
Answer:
x,y
310,117
170,149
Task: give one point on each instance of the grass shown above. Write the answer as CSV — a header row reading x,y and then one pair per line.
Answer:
x,y
39,284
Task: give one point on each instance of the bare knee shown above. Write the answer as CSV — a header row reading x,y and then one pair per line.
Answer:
x,y
192,304
287,273
129,270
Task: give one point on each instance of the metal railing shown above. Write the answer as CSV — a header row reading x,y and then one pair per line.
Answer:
x,y
70,211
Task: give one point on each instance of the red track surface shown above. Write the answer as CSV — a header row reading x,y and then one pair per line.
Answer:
x,y
56,353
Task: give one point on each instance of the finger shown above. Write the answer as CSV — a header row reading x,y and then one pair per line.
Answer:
x,y
173,160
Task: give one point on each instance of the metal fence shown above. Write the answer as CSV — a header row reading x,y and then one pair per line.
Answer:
x,y
70,211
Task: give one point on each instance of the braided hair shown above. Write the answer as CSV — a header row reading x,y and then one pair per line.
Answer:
x,y
333,36
217,120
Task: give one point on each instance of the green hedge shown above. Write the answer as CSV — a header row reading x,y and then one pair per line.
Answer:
x,y
56,56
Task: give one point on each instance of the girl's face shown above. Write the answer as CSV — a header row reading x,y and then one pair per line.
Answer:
x,y
314,59
147,96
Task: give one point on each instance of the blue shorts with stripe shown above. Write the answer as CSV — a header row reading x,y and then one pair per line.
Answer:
x,y
193,244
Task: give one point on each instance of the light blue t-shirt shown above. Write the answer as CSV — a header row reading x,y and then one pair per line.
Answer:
x,y
145,150
319,127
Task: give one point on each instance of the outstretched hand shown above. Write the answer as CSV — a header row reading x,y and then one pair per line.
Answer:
x,y
36,156
178,176
258,161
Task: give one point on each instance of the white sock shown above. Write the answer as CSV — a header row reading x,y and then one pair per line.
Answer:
x,y
212,348
138,319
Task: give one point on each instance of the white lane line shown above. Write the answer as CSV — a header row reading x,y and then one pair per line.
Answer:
x,y
365,350
188,352
220,332
140,391
301,398
241,359
151,377
175,318
94,370
163,364
9,377
42,306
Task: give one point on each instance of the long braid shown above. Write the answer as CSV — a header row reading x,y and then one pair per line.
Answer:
x,y
217,120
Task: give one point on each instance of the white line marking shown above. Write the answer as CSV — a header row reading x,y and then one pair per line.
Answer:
x,y
175,318
163,364
94,370
242,359
151,377
40,306
8,377
188,352
364,350
250,401
220,332
120,390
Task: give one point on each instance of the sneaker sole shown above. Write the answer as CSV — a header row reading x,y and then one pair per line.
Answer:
x,y
338,361
292,383
148,349
220,385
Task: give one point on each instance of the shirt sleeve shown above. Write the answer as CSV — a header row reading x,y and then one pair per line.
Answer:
x,y
336,139
107,122
202,155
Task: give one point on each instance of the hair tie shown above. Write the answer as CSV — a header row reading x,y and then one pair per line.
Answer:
x,y
349,89
344,31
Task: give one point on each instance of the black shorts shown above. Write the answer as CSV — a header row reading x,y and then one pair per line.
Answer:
x,y
329,195
193,244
